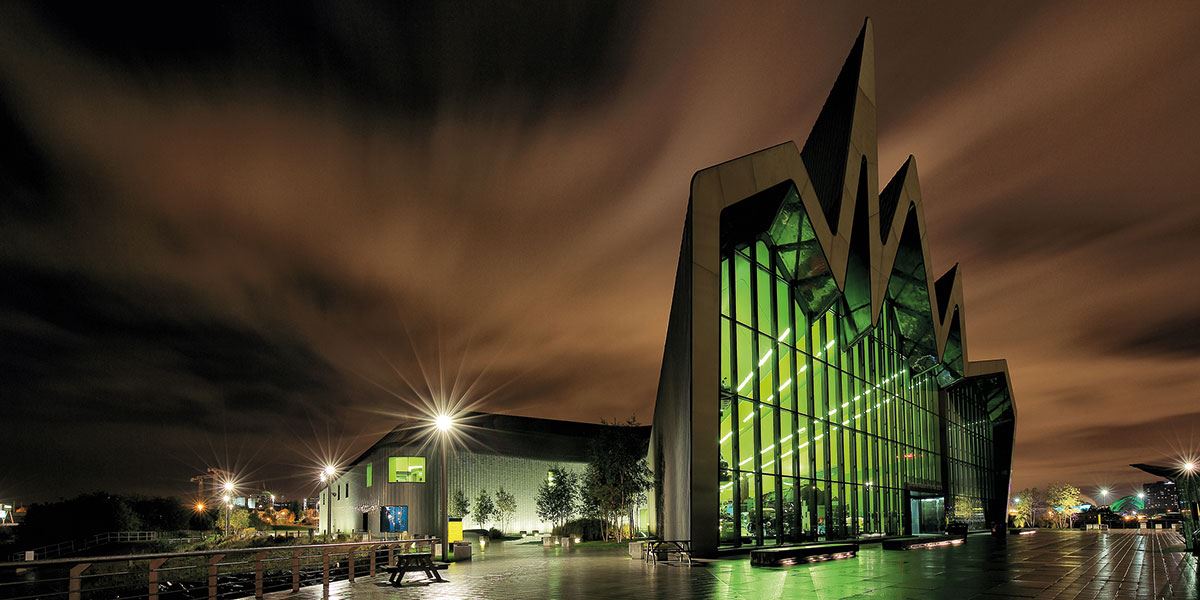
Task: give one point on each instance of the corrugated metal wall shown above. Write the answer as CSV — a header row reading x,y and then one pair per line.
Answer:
x,y
469,472
520,477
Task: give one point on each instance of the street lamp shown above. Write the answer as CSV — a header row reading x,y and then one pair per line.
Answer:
x,y
444,424
228,498
1189,467
1141,495
327,477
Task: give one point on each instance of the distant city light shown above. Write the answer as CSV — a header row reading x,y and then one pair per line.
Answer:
x,y
199,507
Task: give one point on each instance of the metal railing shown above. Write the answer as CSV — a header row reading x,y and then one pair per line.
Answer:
x,y
100,539
211,574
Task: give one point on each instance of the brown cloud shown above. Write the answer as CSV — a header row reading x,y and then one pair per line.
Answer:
x,y
526,225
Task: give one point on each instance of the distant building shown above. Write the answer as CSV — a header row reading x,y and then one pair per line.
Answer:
x,y
1161,497
393,486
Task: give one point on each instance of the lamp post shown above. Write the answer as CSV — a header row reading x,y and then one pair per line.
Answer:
x,y
327,476
444,423
228,498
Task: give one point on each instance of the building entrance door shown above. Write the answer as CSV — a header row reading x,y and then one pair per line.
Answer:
x,y
926,514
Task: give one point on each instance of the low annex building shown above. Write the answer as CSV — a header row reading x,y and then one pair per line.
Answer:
x,y
815,382
393,486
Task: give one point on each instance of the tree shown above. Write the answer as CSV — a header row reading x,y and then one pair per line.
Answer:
x,y
506,506
1065,500
77,518
158,513
1026,507
485,509
557,496
460,506
617,476
239,520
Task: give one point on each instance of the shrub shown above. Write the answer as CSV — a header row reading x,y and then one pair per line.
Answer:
x,y
586,529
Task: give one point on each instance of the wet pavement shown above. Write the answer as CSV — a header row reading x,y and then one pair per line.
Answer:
x,y
1050,564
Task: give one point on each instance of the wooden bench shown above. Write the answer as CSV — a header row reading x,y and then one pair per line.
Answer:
x,y
664,550
807,553
406,563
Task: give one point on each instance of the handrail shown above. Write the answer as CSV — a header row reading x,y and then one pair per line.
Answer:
x,y
193,553
97,539
281,566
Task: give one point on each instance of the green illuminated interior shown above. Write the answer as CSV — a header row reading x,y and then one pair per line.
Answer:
x,y
821,438
406,469
370,474
969,454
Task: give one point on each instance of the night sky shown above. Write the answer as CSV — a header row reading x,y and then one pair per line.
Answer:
x,y
237,237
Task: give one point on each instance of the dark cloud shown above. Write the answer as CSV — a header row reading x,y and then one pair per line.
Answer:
x,y
1174,337
241,235
412,59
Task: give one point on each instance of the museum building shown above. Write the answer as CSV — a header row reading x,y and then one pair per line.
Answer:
x,y
815,381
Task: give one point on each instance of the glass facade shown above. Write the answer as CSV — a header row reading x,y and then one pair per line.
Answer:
x,y
969,453
821,436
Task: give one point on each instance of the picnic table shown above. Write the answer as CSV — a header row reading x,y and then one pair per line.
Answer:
x,y
657,550
412,562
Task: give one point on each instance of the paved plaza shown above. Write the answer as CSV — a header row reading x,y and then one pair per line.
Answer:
x,y
1064,565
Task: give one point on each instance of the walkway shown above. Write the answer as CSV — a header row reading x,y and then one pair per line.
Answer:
x,y
1060,565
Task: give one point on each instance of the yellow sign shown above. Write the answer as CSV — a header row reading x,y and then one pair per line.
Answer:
x,y
454,530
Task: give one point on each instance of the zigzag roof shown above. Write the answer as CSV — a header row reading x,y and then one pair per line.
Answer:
x,y
873,242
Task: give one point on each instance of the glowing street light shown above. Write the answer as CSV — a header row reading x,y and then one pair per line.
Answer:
x,y
1104,492
1189,467
327,478
1141,495
228,501
199,507
444,423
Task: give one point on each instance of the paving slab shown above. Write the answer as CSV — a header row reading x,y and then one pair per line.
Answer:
x,y
1057,565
